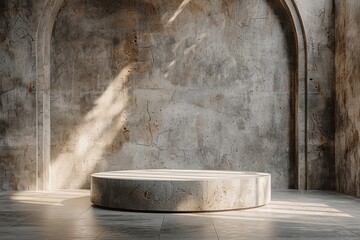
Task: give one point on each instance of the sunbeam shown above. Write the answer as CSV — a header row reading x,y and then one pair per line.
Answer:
x,y
178,11
100,127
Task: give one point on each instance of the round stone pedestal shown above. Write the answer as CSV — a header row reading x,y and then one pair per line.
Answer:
x,y
170,190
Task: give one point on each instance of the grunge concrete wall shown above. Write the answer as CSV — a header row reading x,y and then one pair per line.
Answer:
x,y
181,84
319,23
348,96
190,85
18,25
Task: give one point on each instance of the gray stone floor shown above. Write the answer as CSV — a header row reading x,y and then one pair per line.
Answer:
x,y
69,215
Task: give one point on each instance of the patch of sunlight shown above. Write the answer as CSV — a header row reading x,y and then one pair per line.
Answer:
x,y
280,219
100,127
186,51
332,212
53,198
172,63
178,11
285,210
36,201
198,42
282,203
187,202
176,47
320,207
178,175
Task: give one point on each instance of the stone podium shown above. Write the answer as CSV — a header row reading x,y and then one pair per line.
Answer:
x,y
175,190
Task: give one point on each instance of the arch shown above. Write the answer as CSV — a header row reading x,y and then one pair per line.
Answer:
x,y
300,101
43,40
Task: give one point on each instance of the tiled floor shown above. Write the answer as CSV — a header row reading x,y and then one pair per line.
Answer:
x,y
69,215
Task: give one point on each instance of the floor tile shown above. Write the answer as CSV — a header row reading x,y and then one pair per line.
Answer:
x,y
187,227
68,214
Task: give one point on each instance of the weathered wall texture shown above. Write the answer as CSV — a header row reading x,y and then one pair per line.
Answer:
x,y
319,21
186,84
165,84
18,23
348,96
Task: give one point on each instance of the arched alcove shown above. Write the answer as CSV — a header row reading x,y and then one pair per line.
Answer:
x,y
184,79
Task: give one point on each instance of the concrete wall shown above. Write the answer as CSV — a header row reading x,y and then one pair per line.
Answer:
x,y
182,84
319,22
18,24
348,96
187,84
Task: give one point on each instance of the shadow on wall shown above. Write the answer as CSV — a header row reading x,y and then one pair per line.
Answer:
x,y
291,55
